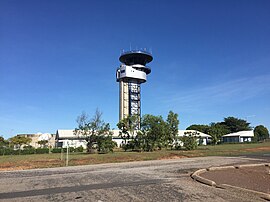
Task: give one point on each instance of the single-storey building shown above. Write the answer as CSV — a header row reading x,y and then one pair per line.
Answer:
x,y
67,138
241,136
202,138
35,138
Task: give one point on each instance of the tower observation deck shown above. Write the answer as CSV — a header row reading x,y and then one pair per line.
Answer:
x,y
131,73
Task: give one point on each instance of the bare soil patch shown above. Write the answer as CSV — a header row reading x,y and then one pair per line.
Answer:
x,y
258,149
254,178
31,164
171,156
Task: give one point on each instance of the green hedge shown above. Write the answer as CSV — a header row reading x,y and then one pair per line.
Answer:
x,y
42,151
56,150
9,151
71,149
25,151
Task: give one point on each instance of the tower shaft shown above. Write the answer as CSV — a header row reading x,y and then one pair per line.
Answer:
x,y
130,98
124,100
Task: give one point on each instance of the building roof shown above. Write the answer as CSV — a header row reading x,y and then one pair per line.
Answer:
x,y
248,133
67,134
183,133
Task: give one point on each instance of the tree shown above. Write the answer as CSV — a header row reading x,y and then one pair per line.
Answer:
x,y
154,131
261,133
200,128
127,127
20,140
216,131
96,132
105,144
190,140
43,143
235,125
172,128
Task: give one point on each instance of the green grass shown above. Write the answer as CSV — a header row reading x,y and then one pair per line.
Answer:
x,y
54,160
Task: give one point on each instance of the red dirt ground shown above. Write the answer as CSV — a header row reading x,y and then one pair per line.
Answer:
x,y
254,178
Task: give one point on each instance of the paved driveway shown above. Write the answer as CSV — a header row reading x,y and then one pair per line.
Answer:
x,y
164,180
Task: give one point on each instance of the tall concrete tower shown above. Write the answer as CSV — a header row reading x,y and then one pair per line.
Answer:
x,y
131,73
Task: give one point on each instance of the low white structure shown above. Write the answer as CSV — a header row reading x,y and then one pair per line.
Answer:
x,y
68,138
202,139
35,138
116,138
241,136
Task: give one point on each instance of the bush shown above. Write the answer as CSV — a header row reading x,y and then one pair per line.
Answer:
x,y
31,150
70,149
190,142
56,150
28,147
105,144
28,151
9,151
42,151
79,149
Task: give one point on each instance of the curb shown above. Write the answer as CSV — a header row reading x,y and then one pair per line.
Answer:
x,y
260,194
203,180
251,165
220,168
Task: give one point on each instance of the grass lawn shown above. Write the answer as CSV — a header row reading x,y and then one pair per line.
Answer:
x,y
18,162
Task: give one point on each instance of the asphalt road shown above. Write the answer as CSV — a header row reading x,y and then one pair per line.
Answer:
x,y
164,180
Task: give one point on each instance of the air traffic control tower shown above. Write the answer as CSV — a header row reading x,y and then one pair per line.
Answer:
x,y
131,73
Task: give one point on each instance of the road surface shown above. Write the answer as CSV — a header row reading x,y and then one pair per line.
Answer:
x,y
163,180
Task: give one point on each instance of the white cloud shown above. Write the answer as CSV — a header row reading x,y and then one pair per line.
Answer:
x,y
234,91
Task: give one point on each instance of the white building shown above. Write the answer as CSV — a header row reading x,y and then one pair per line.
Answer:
x,y
68,138
241,136
35,138
116,138
202,138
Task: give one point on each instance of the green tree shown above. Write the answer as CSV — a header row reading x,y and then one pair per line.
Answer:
x,y
19,140
172,128
261,133
96,132
216,131
43,143
200,128
105,144
235,125
154,131
190,140
127,127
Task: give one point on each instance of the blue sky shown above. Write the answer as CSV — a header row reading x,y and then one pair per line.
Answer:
x,y
59,57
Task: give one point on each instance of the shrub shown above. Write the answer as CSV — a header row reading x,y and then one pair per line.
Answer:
x,y
42,151
56,150
190,141
28,151
9,151
79,149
